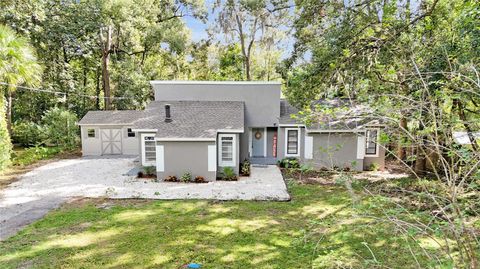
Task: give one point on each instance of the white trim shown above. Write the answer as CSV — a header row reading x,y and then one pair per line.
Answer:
x,y
212,158
265,142
250,143
360,147
234,150
230,131
195,82
144,130
185,139
142,143
291,125
95,133
160,158
286,142
308,151
377,144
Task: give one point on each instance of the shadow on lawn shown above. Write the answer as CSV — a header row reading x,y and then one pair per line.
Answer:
x,y
315,229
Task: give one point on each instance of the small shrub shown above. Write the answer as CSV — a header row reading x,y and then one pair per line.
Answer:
x,y
27,133
149,170
228,173
306,168
245,168
289,163
171,179
60,128
200,179
140,174
374,167
34,154
186,177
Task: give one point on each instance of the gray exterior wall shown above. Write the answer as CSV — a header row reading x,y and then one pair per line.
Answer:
x,y
380,160
281,143
183,156
262,100
92,146
335,149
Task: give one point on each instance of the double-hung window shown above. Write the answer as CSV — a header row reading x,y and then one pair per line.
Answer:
x,y
226,149
130,132
371,143
292,142
148,148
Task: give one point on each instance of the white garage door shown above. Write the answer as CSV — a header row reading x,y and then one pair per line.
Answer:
x,y
111,141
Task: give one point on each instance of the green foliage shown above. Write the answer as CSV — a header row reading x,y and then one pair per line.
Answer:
x,y
5,144
27,133
149,170
186,177
228,173
289,162
374,167
60,128
245,167
33,154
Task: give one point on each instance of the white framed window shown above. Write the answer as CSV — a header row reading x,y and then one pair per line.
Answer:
x,y
91,132
371,142
148,150
226,149
292,142
130,133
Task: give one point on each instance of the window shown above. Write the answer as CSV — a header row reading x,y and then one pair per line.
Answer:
x,y
149,152
292,144
226,150
91,132
130,133
371,145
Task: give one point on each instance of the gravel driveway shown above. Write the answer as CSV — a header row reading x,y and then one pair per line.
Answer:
x,y
47,187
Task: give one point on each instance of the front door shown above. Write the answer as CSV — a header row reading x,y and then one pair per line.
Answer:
x,y
111,141
258,142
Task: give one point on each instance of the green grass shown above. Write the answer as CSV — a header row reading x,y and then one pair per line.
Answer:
x,y
319,228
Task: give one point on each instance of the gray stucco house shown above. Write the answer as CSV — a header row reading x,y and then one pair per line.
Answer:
x,y
203,126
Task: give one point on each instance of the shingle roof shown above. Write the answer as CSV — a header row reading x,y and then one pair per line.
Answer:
x,y
111,117
286,112
192,119
343,115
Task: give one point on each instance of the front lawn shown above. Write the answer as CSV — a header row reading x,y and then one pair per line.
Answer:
x,y
319,228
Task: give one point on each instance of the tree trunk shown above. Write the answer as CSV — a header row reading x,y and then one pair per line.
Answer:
x,y
9,111
105,72
401,152
466,124
97,89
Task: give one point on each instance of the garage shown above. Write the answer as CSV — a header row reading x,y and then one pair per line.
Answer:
x,y
106,133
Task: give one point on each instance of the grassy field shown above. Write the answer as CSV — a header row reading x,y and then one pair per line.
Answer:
x,y
319,228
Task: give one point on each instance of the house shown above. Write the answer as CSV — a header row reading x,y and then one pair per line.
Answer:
x,y
203,126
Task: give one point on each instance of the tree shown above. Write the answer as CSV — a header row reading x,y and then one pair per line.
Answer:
x,y
251,23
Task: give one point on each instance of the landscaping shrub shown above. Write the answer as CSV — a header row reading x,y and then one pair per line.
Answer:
x,y
140,174
245,168
289,163
27,133
60,128
33,154
200,179
171,179
374,167
186,177
228,173
149,170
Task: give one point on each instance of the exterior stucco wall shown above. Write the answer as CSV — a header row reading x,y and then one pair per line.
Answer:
x,y
380,160
281,142
262,100
186,156
92,146
236,168
335,150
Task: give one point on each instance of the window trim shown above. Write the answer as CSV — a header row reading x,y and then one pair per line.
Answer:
x,y
94,133
298,142
144,157
131,131
232,163
377,145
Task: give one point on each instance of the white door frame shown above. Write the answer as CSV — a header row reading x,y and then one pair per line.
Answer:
x,y
142,144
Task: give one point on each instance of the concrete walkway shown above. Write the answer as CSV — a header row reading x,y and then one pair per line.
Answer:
x,y
47,187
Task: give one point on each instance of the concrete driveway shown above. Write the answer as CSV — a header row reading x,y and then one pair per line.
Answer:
x,y
47,187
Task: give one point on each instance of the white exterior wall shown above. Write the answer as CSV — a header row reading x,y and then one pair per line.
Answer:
x,y
92,146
